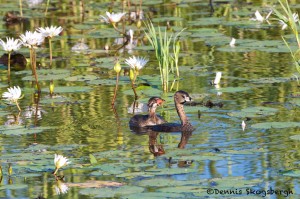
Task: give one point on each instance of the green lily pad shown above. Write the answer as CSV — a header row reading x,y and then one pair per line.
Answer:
x,y
82,26
106,192
45,74
295,101
122,81
234,182
14,186
134,174
166,182
246,151
153,195
275,125
109,169
270,80
20,130
231,89
56,100
81,78
171,171
181,189
292,173
259,111
144,90
205,21
295,137
69,89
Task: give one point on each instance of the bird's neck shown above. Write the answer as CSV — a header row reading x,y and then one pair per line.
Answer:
x,y
152,112
181,113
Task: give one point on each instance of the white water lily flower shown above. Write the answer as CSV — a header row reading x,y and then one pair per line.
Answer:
x,y
60,161
113,18
218,77
259,17
232,42
13,94
61,188
50,31
136,63
284,21
243,125
11,44
32,39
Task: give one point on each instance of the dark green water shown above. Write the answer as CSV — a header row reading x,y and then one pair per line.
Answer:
x,y
221,153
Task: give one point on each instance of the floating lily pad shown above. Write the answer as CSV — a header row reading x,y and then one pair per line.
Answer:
x,y
275,125
95,184
109,169
20,130
270,80
171,171
45,74
122,81
69,89
13,186
83,26
258,111
81,78
246,151
295,137
234,182
166,182
144,90
204,21
231,89
181,189
56,100
153,195
292,173
134,174
295,101
106,192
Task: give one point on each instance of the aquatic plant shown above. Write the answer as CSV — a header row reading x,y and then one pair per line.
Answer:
x,y
61,187
50,32
9,46
13,95
290,20
117,69
161,42
113,19
135,64
243,125
60,161
217,78
32,40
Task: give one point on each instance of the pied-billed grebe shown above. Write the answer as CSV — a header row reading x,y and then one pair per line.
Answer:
x,y
180,97
151,118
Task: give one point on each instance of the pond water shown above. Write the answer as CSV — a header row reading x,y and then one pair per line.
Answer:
x,y
108,159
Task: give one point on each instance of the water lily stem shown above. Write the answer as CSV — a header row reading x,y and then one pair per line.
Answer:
x,y
115,27
21,11
8,67
47,6
50,48
33,64
133,88
116,89
54,173
18,106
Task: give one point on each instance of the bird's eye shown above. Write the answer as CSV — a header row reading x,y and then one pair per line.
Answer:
x,y
183,96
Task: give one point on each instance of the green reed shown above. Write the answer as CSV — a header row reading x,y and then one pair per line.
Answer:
x,y
290,20
167,59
